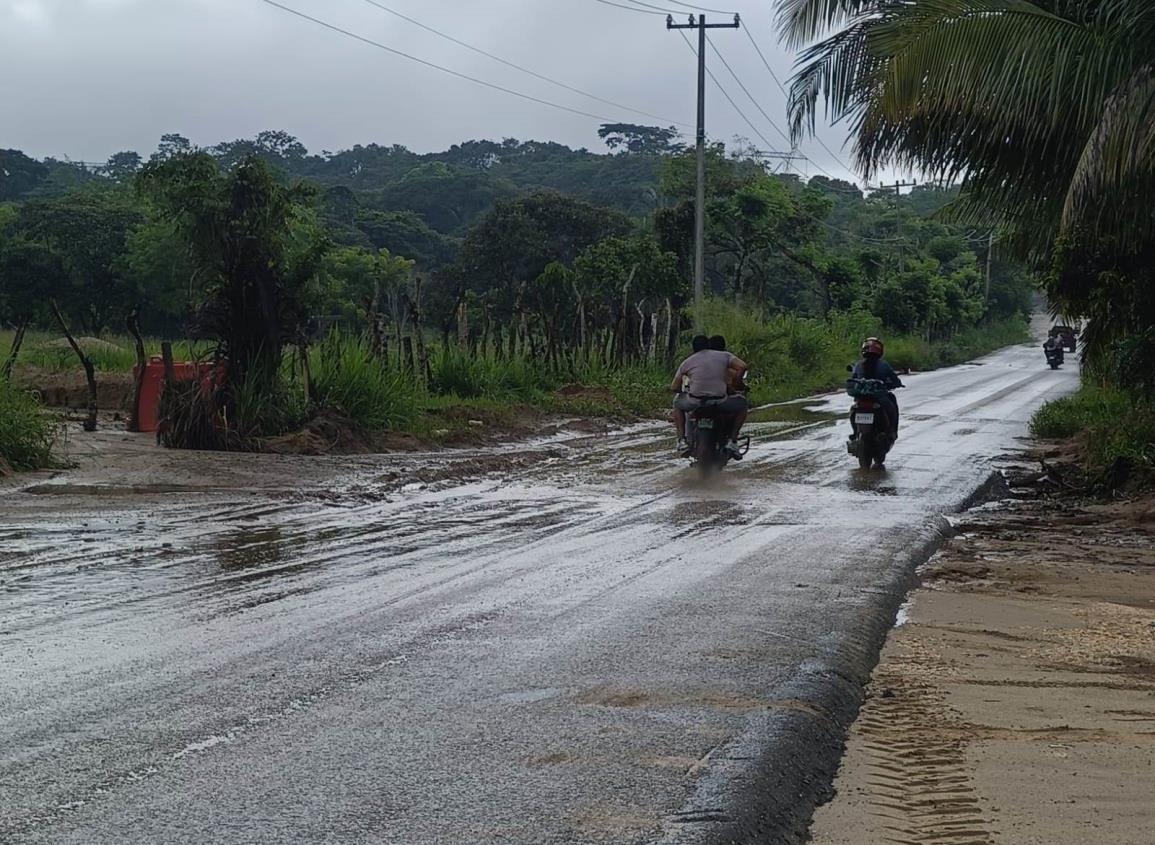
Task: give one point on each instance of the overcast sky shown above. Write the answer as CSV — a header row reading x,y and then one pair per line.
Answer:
x,y
86,78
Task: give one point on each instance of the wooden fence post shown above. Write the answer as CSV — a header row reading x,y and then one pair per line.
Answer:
x,y
133,325
17,342
86,362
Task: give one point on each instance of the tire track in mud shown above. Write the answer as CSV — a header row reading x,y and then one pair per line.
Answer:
x,y
917,766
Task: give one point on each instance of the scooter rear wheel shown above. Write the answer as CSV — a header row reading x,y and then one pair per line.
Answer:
x,y
705,452
865,446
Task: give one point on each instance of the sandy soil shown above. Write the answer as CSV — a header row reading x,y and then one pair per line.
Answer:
x,y
1017,702
69,389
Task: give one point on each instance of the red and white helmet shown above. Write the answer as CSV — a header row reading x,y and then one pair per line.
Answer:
x,y
872,348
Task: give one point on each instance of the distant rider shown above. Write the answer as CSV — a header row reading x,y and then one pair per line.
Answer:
x,y
874,366
708,374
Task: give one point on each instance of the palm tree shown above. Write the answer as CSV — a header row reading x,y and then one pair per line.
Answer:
x,y
1044,108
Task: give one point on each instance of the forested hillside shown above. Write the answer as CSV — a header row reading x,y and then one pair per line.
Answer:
x,y
483,220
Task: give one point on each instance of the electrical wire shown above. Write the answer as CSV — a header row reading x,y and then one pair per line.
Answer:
x,y
746,90
769,120
518,67
652,6
782,88
726,94
430,64
742,114
699,8
631,8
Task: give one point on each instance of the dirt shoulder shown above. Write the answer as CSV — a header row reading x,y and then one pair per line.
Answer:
x,y
1017,702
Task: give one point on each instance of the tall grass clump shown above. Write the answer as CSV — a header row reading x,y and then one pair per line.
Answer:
x,y
1115,426
485,375
791,355
26,433
349,378
262,410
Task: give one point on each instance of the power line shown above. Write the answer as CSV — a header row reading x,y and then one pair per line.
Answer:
x,y
742,114
769,119
651,6
518,67
441,68
630,8
726,94
698,8
782,88
746,91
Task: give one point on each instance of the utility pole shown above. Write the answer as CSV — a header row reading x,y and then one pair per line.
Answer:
x,y
787,159
898,186
699,23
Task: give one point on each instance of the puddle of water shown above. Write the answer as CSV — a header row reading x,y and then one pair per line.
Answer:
x,y
249,548
788,415
707,514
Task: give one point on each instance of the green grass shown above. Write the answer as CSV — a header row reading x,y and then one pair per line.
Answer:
x,y
26,431
117,354
792,356
1113,425
347,378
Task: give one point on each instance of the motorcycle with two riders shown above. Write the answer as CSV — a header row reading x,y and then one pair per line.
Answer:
x,y
710,405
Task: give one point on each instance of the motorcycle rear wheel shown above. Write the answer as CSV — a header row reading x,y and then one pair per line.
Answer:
x,y
865,446
705,452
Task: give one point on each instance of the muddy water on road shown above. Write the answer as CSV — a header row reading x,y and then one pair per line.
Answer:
x,y
562,635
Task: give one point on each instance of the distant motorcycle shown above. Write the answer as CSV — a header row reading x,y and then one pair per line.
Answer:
x,y
1053,349
871,439
1068,337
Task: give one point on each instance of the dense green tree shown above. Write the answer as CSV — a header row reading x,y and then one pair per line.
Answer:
x,y
31,274
640,140
352,280
172,145
169,287
19,175
404,233
122,167
513,244
88,232
254,243
1043,107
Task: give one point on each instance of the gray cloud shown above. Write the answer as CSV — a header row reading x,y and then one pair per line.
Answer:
x,y
86,78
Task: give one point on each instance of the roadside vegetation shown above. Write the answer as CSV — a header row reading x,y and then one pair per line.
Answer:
x,y
26,431
489,275
941,87
1114,430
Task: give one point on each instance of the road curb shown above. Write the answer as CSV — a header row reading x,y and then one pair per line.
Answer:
x,y
765,785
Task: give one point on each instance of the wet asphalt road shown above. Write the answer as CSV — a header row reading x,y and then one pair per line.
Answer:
x,y
585,646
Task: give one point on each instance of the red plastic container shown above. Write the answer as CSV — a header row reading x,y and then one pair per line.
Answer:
x,y
148,409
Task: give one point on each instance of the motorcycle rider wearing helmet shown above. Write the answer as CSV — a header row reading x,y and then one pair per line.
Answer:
x,y
874,366
708,374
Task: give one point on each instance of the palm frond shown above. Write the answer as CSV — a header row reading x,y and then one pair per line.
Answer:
x,y
801,21
1116,169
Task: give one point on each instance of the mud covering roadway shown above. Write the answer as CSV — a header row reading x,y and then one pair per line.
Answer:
x,y
572,640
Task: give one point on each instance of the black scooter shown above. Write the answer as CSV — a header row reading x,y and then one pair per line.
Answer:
x,y
1054,353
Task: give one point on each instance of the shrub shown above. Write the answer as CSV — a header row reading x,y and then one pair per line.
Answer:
x,y
26,433
486,376
349,378
1115,426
